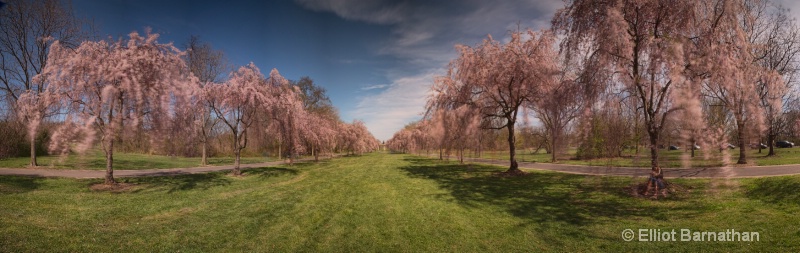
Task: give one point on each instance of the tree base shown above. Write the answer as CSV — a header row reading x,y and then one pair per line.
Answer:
x,y
670,191
110,181
646,190
511,173
116,187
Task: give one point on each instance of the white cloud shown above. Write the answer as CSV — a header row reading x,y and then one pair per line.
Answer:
x,y
393,108
377,86
424,34
379,12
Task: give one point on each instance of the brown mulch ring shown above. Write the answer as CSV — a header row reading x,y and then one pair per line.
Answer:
x,y
114,188
513,173
640,190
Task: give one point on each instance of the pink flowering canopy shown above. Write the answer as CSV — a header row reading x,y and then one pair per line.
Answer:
x,y
105,87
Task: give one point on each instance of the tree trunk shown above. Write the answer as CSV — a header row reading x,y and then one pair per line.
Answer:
x,y
109,179
291,158
33,152
514,167
742,150
653,148
759,147
204,158
771,141
461,155
280,147
480,144
553,144
237,152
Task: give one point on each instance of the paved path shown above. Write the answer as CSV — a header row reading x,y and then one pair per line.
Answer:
x,y
42,172
733,172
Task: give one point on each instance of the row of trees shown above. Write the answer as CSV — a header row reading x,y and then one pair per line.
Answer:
x,y
103,89
687,66
137,90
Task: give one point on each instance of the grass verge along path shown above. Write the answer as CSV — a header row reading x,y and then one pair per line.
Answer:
x,y
96,160
667,158
387,203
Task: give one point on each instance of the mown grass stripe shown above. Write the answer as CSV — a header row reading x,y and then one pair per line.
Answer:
x,y
387,203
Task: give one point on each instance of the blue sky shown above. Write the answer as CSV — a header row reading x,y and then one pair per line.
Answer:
x,y
375,58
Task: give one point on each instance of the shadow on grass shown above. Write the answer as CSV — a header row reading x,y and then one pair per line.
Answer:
x,y
125,164
155,162
203,181
268,172
18,184
545,197
776,190
216,161
182,182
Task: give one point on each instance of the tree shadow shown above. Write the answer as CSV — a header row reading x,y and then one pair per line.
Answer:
x,y
182,182
545,197
124,164
268,172
775,190
18,184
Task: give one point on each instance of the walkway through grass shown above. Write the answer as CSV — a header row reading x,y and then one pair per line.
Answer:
x,y
386,202
667,158
96,160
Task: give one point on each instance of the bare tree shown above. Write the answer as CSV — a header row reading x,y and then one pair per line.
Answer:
x,y
321,110
557,108
27,29
207,65
780,40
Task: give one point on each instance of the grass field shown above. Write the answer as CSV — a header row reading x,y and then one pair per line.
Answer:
x,y
96,160
387,202
667,158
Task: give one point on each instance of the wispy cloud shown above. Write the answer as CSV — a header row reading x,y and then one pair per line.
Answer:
x,y
402,102
430,31
379,12
346,61
423,37
373,87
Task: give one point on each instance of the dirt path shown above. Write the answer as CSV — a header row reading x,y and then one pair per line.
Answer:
x,y
735,172
129,173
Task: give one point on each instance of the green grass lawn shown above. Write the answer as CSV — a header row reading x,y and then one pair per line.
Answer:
x,y
667,158
387,203
96,160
